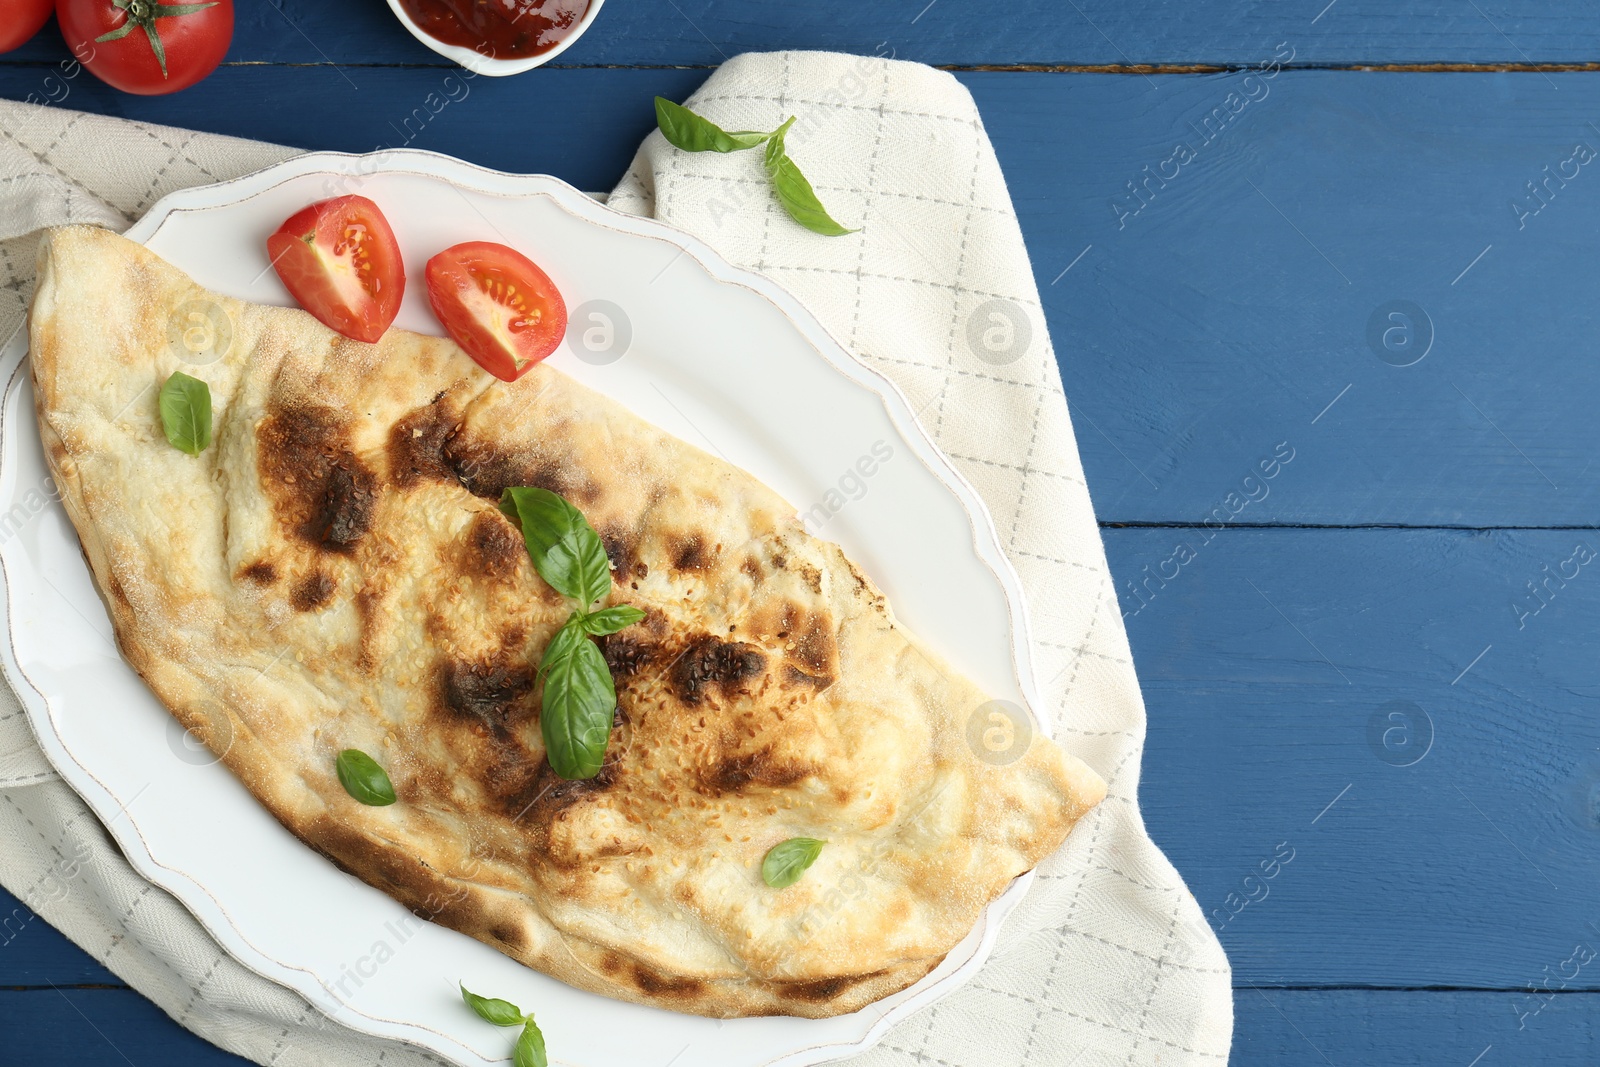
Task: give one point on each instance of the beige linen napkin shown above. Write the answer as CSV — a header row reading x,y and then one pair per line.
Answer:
x,y
1108,960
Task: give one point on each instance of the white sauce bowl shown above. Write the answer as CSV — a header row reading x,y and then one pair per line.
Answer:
x,y
495,68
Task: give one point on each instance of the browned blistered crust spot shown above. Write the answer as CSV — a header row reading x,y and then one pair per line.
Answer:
x,y
488,474
485,470
711,661
508,774
815,648
417,446
736,773
626,654
862,585
312,591
495,696
425,892
494,547
545,798
506,935
369,605
688,552
321,489
810,649
262,572
654,984
622,549
811,576
823,989
796,676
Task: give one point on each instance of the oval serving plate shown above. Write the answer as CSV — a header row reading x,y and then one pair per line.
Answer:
x,y
719,356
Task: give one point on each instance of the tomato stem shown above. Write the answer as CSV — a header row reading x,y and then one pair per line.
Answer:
x,y
143,14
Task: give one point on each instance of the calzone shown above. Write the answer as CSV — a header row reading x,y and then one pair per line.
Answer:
x,y
333,573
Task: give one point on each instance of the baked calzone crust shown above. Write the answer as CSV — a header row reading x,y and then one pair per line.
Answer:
x,y
333,572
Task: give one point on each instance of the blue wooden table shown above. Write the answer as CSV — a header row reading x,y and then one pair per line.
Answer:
x,y
1379,271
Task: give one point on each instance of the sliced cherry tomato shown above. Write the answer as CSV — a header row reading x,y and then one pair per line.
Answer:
x,y
340,260
146,46
22,19
495,303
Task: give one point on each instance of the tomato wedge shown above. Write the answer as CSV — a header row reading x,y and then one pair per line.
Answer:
x,y
340,260
495,303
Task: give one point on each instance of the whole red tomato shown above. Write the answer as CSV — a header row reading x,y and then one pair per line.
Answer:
x,y
140,46
21,20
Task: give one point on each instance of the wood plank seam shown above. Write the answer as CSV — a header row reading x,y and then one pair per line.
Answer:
x,y
1139,69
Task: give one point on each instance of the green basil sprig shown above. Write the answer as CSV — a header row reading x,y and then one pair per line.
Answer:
x,y
530,1043
363,779
580,701
499,1012
786,862
795,192
610,620
530,1047
186,413
694,133
580,698
566,551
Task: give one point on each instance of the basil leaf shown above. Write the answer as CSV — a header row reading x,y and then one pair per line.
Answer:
x,y
562,644
499,1012
530,1048
795,192
363,779
566,551
688,131
186,413
579,704
786,862
610,620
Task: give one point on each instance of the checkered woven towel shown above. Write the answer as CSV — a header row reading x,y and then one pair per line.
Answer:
x,y
1108,960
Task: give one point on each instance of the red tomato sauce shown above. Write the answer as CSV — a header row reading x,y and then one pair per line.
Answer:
x,y
499,29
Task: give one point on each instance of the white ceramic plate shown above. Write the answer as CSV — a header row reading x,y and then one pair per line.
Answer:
x,y
719,356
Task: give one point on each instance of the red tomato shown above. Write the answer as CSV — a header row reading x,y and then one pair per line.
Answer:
x,y
495,303
21,19
144,47
340,260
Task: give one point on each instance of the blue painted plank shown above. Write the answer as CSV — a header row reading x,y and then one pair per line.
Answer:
x,y
33,953
1246,298
589,140
1373,754
1273,1028
99,1026
1278,1028
1221,312
1088,32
